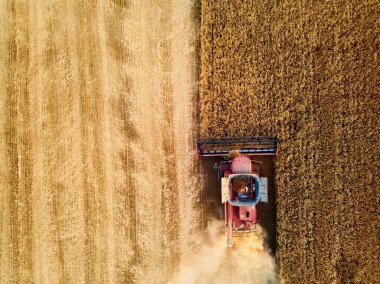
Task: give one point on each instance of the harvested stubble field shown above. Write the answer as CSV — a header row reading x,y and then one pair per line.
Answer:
x,y
97,168
307,73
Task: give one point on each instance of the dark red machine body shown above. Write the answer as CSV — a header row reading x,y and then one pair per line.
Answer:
x,y
242,188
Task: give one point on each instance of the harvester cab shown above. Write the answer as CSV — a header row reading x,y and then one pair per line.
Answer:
x,y
242,187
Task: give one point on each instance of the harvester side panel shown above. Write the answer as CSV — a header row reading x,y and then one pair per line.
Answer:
x,y
263,189
224,190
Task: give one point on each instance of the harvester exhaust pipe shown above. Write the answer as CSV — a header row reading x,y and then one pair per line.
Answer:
x,y
229,241
229,224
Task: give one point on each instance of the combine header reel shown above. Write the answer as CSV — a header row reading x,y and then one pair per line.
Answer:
x,y
242,188
247,146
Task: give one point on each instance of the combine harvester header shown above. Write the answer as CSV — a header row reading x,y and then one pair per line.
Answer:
x,y
249,146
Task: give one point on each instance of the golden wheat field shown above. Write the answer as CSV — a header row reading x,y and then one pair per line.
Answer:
x,y
101,103
307,73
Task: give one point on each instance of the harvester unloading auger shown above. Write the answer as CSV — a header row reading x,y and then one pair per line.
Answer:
x,y
242,188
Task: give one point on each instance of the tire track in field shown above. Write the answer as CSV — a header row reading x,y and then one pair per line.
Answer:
x,y
170,192
5,74
18,185
94,117
59,190
123,135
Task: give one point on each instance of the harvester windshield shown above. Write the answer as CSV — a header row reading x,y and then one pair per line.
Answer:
x,y
250,197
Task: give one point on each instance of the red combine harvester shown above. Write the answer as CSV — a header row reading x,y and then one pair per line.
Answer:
x,y
242,187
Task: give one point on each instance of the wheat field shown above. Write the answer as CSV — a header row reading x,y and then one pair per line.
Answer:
x,y
306,73
96,116
101,103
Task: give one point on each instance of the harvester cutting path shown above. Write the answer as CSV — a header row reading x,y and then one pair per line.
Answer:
x,y
242,187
